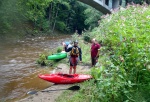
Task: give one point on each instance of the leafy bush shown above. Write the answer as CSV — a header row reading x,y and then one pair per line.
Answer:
x,y
125,35
59,49
86,38
61,26
123,72
42,60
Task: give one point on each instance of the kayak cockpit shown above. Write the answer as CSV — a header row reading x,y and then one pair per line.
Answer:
x,y
67,75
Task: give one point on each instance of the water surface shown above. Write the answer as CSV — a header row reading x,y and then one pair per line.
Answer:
x,y
18,68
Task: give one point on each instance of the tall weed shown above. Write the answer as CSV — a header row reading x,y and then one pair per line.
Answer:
x,y
125,35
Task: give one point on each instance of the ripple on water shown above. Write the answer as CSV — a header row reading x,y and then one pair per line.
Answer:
x,y
18,71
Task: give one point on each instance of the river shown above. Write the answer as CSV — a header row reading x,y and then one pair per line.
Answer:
x,y
18,68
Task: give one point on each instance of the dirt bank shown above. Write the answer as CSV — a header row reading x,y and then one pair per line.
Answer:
x,y
52,95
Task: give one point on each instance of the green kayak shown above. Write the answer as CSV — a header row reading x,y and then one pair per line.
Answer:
x,y
57,56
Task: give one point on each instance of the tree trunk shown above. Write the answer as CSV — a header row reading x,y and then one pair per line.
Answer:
x,y
55,18
68,19
50,14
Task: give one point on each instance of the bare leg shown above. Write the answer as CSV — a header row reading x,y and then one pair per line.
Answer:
x,y
70,71
74,69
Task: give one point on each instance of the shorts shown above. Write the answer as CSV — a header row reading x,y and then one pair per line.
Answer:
x,y
73,61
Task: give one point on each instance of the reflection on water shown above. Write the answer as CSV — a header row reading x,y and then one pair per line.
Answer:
x,y
18,71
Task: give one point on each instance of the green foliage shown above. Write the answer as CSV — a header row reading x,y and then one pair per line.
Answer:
x,y
42,60
74,37
10,18
45,16
98,72
35,10
92,17
83,95
87,35
86,38
59,49
125,35
85,51
137,1
123,73
61,26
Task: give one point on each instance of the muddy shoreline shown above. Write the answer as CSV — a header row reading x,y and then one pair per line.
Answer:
x,y
51,96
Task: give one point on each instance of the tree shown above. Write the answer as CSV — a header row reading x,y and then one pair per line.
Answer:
x,y
9,16
92,17
137,1
35,11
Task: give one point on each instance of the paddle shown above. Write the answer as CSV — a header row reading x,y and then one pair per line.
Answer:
x,y
73,88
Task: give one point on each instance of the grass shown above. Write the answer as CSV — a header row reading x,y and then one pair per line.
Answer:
x,y
83,95
121,73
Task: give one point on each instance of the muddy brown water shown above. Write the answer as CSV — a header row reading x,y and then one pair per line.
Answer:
x,y
18,68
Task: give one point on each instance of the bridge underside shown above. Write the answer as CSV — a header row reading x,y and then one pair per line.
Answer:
x,y
103,6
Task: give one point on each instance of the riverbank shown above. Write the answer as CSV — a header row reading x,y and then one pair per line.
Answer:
x,y
51,96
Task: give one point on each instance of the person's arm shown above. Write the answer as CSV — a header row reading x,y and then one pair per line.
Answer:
x,y
80,54
69,49
64,46
98,53
98,47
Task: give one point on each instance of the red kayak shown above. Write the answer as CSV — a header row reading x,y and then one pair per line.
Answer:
x,y
60,78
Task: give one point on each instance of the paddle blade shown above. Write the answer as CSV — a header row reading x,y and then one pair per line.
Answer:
x,y
74,88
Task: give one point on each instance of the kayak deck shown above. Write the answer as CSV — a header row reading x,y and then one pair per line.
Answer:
x,y
60,78
57,56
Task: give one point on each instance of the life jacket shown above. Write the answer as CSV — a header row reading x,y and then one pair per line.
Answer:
x,y
74,51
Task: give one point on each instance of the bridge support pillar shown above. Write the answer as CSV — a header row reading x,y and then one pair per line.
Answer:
x,y
115,4
103,2
110,4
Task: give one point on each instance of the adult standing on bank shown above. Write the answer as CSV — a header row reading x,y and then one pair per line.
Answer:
x,y
95,49
75,55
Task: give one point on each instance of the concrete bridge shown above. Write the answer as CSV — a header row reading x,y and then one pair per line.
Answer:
x,y
103,6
